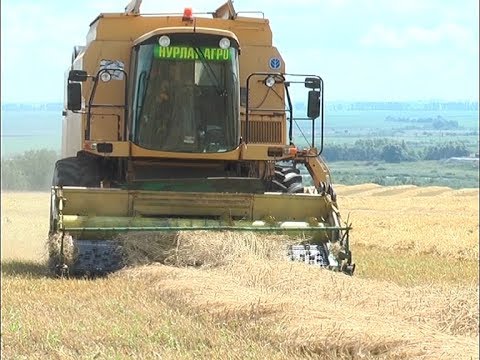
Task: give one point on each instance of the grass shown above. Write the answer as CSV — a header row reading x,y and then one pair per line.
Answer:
x,y
409,269
421,173
415,293
431,220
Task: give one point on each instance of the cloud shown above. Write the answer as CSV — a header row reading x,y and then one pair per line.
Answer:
x,y
337,3
405,6
391,75
380,35
450,34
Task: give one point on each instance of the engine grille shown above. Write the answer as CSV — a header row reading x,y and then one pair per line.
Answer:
x,y
265,132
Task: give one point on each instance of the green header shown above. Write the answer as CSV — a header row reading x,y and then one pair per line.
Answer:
x,y
189,53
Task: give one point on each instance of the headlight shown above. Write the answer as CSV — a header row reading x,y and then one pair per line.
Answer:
x,y
164,41
105,76
224,43
270,81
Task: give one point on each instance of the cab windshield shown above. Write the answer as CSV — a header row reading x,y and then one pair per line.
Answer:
x,y
186,96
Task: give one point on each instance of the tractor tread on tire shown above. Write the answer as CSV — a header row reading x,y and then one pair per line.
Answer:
x,y
288,180
77,171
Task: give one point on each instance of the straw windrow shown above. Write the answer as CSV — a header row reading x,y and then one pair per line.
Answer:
x,y
200,248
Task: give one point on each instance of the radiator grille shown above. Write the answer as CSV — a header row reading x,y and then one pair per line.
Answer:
x,y
266,132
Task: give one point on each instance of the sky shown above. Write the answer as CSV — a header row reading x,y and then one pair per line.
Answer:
x,y
365,50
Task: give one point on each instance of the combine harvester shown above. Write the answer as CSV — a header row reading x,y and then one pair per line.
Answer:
x,y
185,121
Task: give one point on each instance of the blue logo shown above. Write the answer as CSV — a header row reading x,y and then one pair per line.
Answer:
x,y
275,63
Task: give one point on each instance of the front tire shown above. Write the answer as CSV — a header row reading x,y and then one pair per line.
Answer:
x,y
288,180
77,171
73,171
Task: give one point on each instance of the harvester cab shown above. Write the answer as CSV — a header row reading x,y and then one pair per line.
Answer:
x,y
179,122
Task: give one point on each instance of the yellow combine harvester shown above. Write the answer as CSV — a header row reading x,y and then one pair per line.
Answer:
x,y
185,122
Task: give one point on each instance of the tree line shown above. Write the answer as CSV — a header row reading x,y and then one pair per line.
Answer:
x,y
394,105
392,151
32,170
436,123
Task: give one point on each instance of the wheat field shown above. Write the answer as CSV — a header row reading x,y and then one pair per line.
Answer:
x,y
414,296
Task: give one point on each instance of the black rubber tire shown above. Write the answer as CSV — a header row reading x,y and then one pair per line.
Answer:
x,y
292,178
321,188
77,171
334,197
286,170
280,176
278,186
290,170
287,180
295,188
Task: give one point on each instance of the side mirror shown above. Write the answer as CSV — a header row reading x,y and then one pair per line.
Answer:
x,y
77,75
313,109
74,96
312,83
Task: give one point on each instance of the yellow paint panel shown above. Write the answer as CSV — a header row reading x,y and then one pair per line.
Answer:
x,y
119,27
114,202
105,128
95,202
192,204
293,207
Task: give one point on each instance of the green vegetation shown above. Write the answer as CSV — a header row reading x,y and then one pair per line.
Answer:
x,y
398,162
393,151
437,123
420,173
417,140
31,170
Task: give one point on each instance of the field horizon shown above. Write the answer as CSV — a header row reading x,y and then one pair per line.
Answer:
x,y
28,128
